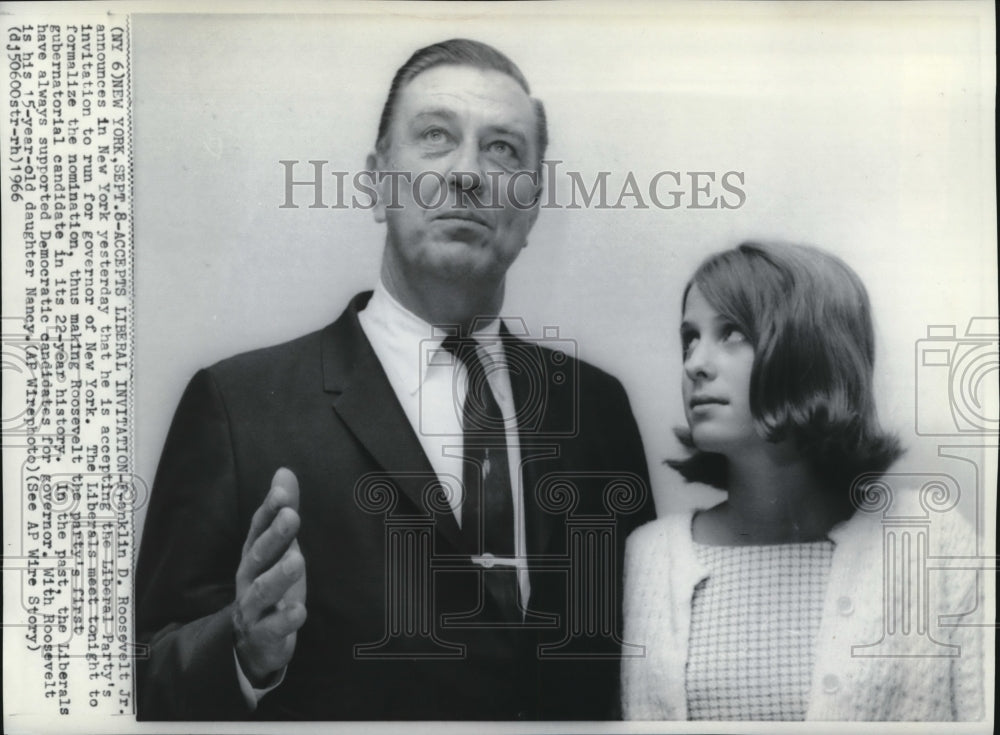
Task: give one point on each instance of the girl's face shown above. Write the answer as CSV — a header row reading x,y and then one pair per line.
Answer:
x,y
718,359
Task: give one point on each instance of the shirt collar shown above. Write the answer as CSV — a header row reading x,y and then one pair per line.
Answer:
x,y
408,343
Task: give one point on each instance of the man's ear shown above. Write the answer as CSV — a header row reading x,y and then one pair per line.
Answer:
x,y
374,164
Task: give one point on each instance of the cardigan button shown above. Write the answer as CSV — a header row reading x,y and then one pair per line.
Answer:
x,y
831,683
845,605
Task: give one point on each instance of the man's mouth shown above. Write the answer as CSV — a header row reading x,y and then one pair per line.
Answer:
x,y
462,215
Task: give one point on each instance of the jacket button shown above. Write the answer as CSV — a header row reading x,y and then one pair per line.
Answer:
x,y
831,683
845,606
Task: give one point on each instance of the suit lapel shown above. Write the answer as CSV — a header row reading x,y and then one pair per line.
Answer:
x,y
365,402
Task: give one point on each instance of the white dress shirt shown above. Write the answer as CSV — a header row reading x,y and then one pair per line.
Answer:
x,y
431,383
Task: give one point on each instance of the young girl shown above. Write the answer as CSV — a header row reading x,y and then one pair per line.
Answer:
x,y
786,601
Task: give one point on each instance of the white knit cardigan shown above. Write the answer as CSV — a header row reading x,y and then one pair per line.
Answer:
x,y
911,676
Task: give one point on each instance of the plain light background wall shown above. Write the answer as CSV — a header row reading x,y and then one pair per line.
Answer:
x,y
863,129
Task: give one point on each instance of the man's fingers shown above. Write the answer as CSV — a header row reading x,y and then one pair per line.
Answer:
x,y
268,644
281,622
284,492
286,479
269,546
264,515
269,587
297,592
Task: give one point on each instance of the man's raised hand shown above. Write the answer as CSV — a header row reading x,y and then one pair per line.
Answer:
x,y
270,584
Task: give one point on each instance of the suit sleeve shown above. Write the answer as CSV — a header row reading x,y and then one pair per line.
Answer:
x,y
185,578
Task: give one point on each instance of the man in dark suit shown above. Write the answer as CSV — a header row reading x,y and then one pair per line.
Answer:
x,y
415,513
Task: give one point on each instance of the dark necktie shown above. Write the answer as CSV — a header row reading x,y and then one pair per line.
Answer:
x,y
488,506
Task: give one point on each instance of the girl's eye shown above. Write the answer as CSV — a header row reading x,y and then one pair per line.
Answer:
x,y
688,339
732,333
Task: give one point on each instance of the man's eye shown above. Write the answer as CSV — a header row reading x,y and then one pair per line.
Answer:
x,y
502,148
435,136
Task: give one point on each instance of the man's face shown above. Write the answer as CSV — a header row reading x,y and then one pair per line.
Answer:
x,y
466,139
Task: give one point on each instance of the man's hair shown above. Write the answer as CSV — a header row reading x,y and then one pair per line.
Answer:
x,y
458,52
808,317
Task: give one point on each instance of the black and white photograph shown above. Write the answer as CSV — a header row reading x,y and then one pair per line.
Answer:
x,y
525,367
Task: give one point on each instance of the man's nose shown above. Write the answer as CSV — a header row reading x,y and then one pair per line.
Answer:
x,y
466,172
